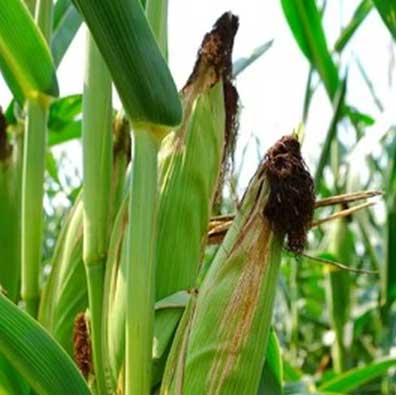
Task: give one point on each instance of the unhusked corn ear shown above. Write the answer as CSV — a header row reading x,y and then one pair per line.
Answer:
x,y
139,72
221,349
191,160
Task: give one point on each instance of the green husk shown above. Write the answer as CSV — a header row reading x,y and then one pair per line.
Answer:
x,y
224,342
10,201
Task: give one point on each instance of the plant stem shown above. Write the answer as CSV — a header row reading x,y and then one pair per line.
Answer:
x,y
97,158
32,203
157,14
33,180
142,229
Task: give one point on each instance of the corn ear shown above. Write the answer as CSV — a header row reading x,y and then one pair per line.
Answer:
x,y
234,307
188,183
137,67
222,347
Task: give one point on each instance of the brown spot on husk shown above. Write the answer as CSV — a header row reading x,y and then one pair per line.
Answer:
x,y
291,202
121,137
82,345
214,63
5,147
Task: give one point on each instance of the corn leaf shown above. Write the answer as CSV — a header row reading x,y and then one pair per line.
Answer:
x,y
157,14
387,11
354,378
11,383
388,278
64,120
271,382
36,355
26,75
324,158
304,20
67,21
243,63
138,69
349,30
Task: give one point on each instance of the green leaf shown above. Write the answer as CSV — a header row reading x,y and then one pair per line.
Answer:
x,y
387,11
36,355
271,382
241,64
388,278
304,20
290,372
331,133
11,383
64,121
138,69
348,31
67,21
25,59
354,378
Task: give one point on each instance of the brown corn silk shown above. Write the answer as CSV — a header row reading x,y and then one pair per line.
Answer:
x,y
82,351
221,342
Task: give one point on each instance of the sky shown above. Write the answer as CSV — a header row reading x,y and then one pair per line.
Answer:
x,y
271,90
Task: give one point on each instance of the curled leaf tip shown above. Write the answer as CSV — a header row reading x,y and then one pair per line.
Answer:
x,y
291,201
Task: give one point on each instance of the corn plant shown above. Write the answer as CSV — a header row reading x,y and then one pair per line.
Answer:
x,y
152,288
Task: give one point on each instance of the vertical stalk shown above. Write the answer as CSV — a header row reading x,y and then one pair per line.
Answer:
x,y
33,180
157,14
97,166
32,203
142,229
339,293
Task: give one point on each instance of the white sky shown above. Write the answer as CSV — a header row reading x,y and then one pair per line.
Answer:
x,y
272,90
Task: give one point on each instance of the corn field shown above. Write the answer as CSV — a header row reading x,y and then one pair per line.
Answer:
x,y
158,276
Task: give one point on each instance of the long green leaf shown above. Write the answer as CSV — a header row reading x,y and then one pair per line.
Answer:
x,y
67,21
241,64
271,382
354,378
36,355
387,11
64,120
138,69
25,59
331,133
304,20
349,30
